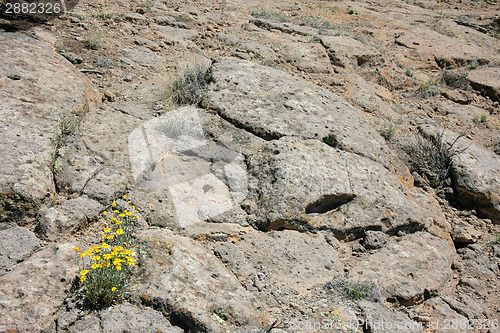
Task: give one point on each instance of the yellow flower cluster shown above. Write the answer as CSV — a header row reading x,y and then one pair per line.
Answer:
x,y
110,258
106,267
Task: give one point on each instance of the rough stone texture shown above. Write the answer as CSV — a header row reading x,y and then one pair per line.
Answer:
x,y
360,93
272,104
121,318
347,52
307,57
381,319
62,220
281,260
73,166
33,95
487,81
374,239
106,186
434,313
309,185
475,173
191,284
409,268
16,245
447,51
36,288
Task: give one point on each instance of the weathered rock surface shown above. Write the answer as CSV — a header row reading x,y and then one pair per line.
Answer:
x,y
16,245
108,184
381,319
487,81
476,174
309,185
410,268
124,318
347,52
308,57
272,104
446,51
60,221
74,166
34,94
281,260
190,284
32,292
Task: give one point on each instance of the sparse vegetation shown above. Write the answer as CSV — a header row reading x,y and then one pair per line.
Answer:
x,y
269,14
188,85
456,80
388,129
104,14
482,119
497,238
310,21
427,89
432,158
93,39
355,289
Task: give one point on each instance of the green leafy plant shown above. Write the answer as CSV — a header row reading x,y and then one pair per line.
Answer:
x,y
106,268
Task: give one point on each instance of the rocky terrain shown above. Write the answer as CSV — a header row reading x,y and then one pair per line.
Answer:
x,y
336,170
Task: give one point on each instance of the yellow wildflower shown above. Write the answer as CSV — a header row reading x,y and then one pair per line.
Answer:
x,y
121,215
113,204
119,267
96,258
76,248
119,231
119,222
129,213
107,229
105,245
95,266
113,219
111,236
84,272
124,196
113,289
104,213
83,278
133,207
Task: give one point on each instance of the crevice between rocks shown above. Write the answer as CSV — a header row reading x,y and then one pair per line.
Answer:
x,y
176,317
261,133
329,202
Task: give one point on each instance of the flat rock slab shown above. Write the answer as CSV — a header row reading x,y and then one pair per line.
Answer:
x,y
191,284
447,51
487,81
16,245
60,221
124,318
409,268
31,294
307,57
278,260
271,104
347,52
33,96
306,184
